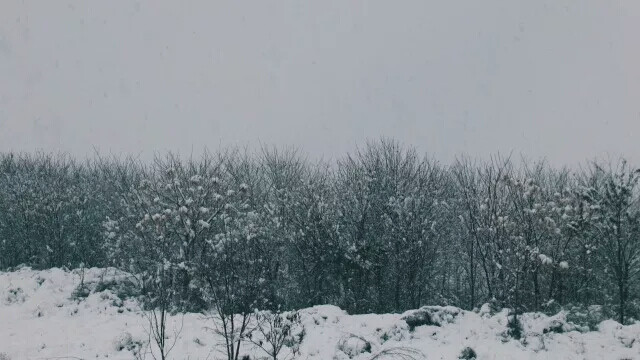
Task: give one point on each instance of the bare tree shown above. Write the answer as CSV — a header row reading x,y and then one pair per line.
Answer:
x,y
617,227
274,331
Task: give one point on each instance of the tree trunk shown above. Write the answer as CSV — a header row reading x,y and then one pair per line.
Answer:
x,y
621,304
472,275
536,291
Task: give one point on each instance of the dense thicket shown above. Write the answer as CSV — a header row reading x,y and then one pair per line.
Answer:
x,y
380,230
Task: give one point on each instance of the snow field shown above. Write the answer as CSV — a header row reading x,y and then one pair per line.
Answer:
x,y
40,318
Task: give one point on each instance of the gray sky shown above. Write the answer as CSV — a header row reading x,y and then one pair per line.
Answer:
x,y
547,78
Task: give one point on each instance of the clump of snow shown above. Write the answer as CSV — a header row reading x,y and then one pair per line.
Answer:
x,y
487,310
43,319
545,260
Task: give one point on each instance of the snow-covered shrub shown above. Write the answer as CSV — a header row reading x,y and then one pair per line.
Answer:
x,y
15,295
554,326
558,326
419,318
587,317
274,331
123,288
468,354
125,341
82,291
4,356
514,327
321,314
430,315
122,341
489,309
398,332
354,345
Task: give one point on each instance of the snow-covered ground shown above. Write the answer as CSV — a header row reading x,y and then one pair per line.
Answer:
x,y
40,320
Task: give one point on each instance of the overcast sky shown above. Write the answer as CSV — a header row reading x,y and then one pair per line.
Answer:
x,y
546,78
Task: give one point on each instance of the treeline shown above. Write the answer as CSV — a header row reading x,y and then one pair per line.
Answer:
x,y
380,230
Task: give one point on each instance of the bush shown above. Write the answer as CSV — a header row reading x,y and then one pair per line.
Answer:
x,y
419,319
514,327
122,289
555,326
82,291
588,317
4,356
275,331
15,295
398,332
468,354
122,341
354,345
125,341
430,315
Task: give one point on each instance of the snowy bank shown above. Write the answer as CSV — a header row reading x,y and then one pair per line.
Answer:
x,y
43,315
